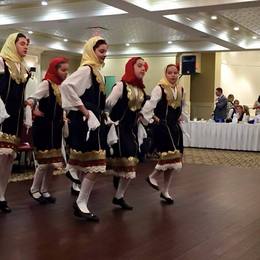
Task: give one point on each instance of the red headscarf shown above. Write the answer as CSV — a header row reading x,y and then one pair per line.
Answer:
x,y
129,76
51,73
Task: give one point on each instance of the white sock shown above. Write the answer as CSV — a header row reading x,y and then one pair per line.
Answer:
x,y
167,182
6,162
76,186
86,188
74,173
45,181
153,177
38,178
46,194
122,187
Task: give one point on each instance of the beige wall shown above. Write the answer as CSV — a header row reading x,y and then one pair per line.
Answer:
x,y
202,88
240,75
115,66
46,56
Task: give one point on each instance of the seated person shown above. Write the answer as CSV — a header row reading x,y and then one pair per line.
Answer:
x,y
246,116
257,106
232,111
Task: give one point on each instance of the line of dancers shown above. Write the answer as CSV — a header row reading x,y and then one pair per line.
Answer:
x,y
104,134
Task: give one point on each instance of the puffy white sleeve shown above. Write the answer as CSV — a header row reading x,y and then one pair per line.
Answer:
x,y
149,106
3,113
42,91
114,96
74,86
2,66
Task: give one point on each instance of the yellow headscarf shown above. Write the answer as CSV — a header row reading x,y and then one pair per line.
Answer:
x,y
89,58
164,81
10,55
166,85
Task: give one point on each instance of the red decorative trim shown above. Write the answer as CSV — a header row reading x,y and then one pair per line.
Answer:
x,y
8,145
162,162
50,160
87,163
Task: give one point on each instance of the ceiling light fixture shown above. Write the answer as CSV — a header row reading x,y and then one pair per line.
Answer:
x,y
44,3
213,17
236,28
188,18
30,32
127,44
169,42
65,40
254,37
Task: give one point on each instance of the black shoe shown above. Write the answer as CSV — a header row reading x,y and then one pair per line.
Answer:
x,y
167,200
116,180
4,207
74,192
69,176
86,216
40,200
50,199
156,187
121,202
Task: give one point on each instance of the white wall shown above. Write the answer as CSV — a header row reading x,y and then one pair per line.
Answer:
x,y
240,75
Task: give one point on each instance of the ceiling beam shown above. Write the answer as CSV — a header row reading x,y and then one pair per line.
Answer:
x,y
158,18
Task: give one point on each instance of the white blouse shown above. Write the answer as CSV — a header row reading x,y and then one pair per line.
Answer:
x,y
2,65
74,87
42,91
114,96
149,106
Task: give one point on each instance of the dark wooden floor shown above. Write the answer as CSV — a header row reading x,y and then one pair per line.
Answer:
x,y
216,216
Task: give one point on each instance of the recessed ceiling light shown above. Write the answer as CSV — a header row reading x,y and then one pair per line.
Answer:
x,y
213,17
127,44
169,42
236,28
254,37
65,40
213,29
30,32
44,3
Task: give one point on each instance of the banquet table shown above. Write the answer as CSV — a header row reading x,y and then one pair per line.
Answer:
x,y
205,134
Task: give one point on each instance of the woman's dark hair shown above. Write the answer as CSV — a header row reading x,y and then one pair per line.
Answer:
x,y
219,90
21,35
98,43
259,98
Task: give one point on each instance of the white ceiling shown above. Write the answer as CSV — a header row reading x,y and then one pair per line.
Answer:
x,y
147,25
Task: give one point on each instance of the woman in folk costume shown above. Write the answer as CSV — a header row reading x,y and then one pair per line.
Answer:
x,y
13,79
123,105
47,128
165,107
83,95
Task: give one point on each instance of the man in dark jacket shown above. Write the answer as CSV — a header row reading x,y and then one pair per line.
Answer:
x,y
220,112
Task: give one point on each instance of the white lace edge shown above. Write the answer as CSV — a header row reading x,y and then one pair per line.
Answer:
x,y
7,151
127,175
169,166
89,169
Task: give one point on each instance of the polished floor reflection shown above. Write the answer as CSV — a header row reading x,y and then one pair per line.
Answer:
x,y
216,215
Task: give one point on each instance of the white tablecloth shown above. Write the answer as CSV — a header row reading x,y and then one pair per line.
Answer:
x,y
222,135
